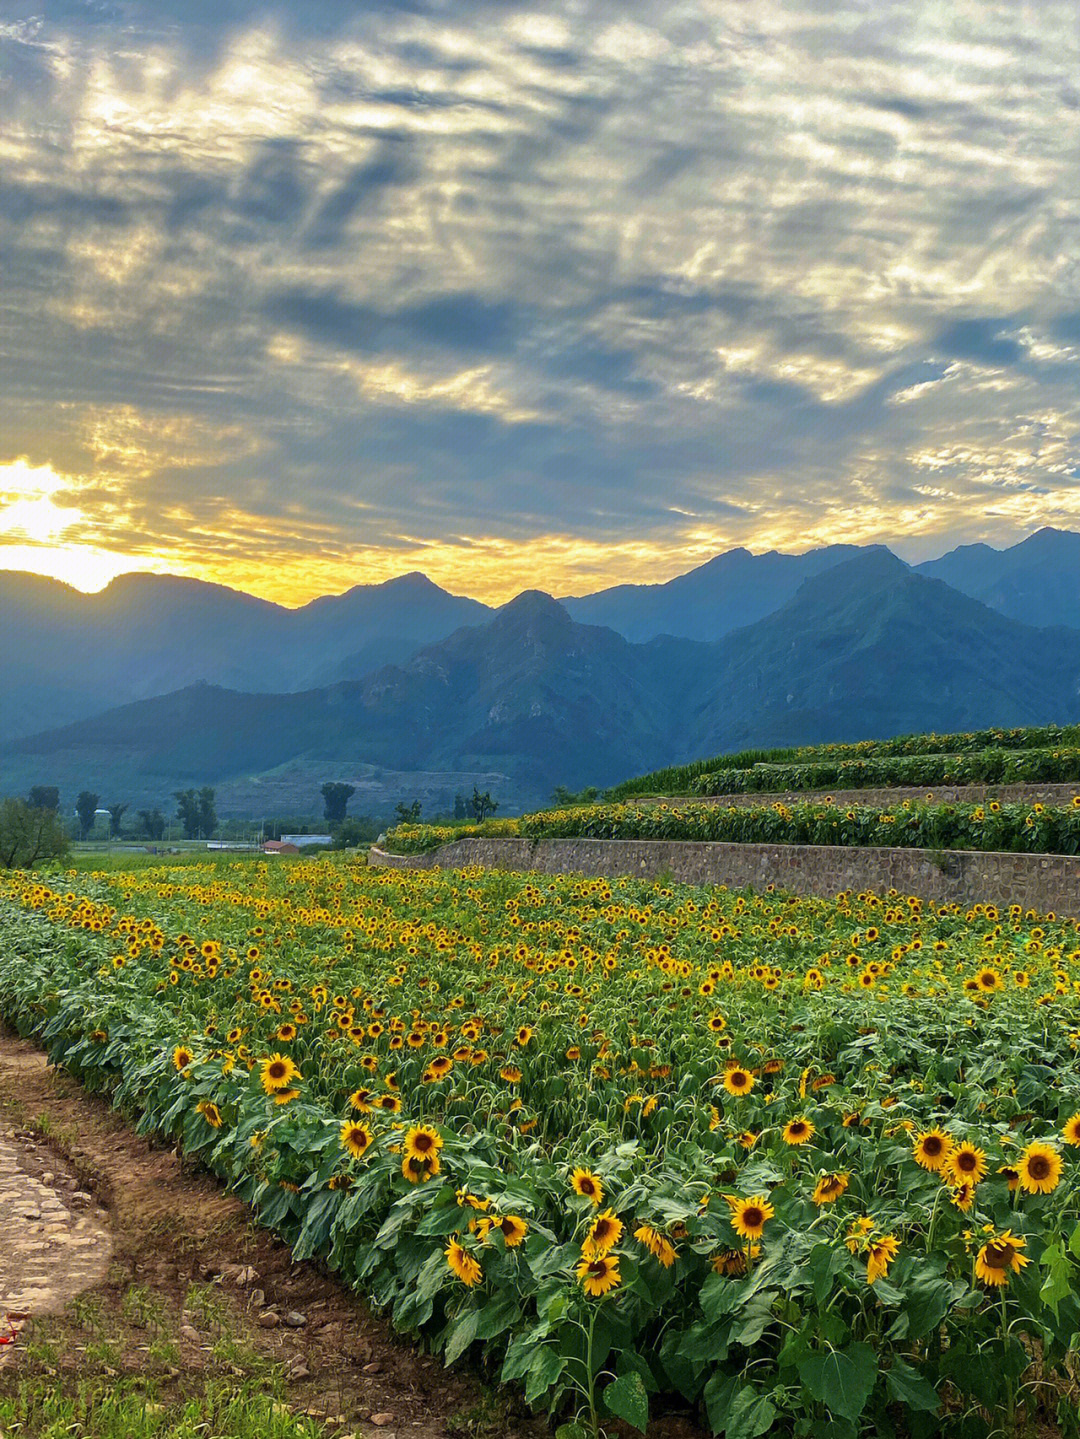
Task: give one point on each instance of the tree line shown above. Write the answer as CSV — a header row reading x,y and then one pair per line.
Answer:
x,y
33,829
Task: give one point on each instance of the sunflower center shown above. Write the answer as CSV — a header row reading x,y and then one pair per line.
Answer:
x,y
996,1256
932,1146
1039,1167
753,1217
422,1142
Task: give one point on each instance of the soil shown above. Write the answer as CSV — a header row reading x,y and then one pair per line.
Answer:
x,y
181,1262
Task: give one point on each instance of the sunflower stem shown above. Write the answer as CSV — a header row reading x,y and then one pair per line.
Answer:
x,y
594,1418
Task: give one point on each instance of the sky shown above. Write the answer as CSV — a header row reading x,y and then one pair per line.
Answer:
x,y
299,297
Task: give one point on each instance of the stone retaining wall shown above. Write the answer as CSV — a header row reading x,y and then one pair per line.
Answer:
x,y
943,794
1042,882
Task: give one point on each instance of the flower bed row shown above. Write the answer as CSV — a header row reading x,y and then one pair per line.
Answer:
x,y
988,766
1021,828
679,779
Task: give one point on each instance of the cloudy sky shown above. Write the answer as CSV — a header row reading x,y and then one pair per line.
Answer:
x,y
295,298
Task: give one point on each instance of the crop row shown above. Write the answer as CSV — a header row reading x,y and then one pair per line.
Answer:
x,y
809,1166
1022,828
988,766
679,779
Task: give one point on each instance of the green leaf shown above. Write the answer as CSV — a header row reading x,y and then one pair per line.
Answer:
x,y
843,1380
626,1399
1057,1284
905,1383
462,1334
751,1414
572,1431
926,1305
543,1372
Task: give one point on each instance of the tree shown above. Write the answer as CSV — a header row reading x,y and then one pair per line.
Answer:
x,y
335,799
355,830
44,796
207,812
408,813
196,812
187,811
153,823
482,804
461,807
29,833
86,808
116,814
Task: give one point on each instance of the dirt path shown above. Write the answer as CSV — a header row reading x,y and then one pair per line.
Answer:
x,y
55,1240
171,1280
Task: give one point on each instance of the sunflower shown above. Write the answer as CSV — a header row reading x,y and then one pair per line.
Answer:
x,y
585,1183
749,1216
1011,1174
962,1195
989,981
513,1229
419,1171
1040,1169
1071,1129
356,1138
859,1232
932,1149
798,1131
604,1233
286,1033
210,1113
731,1261
738,1080
362,1100
462,1264
182,1057
829,1188
286,1096
658,1245
599,1275
510,1073
966,1164
277,1073
880,1253
422,1142
999,1257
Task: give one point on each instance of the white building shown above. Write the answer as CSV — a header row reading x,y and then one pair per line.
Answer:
x,y
300,840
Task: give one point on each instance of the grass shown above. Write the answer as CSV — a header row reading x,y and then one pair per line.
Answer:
x,y
106,1408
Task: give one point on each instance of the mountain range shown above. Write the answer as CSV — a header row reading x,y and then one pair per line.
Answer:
x,y
841,643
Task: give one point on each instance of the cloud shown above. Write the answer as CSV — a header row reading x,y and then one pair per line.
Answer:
x,y
411,284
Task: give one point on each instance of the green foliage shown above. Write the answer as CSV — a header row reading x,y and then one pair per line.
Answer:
x,y
482,805
86,808
196,812
679,779
153,823
44,796
29,834
1019,827
336,797
989,766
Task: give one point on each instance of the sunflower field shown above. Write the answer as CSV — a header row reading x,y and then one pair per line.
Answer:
x,y
803,1166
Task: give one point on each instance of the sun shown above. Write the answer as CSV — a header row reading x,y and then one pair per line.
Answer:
x,y
35,520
